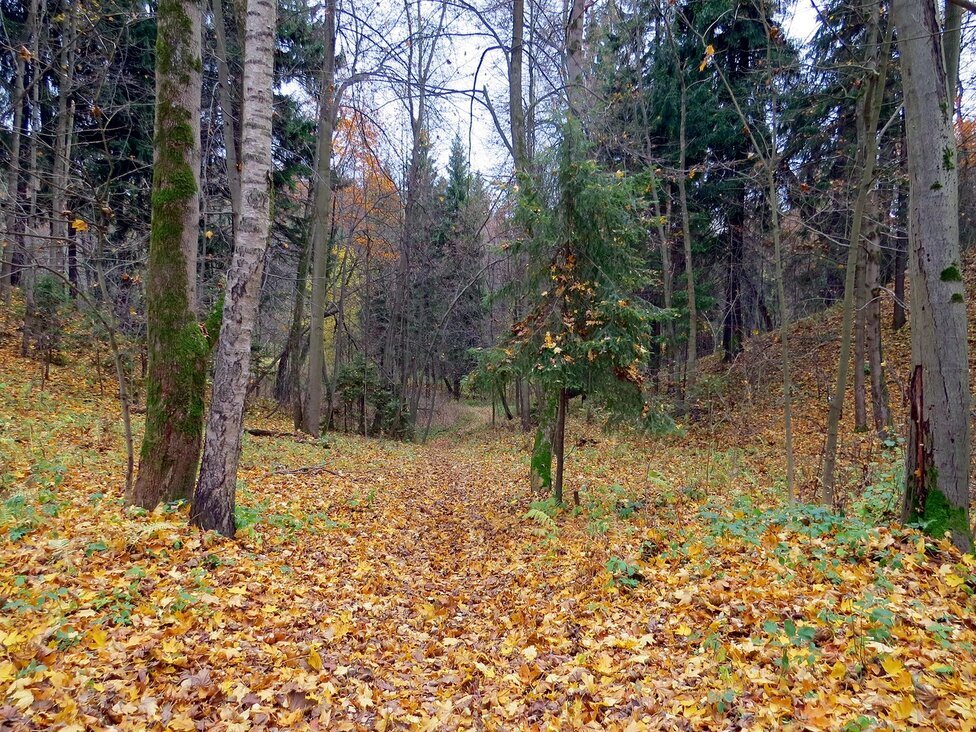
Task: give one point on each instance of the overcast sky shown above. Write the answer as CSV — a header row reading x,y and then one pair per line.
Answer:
x,y
488,154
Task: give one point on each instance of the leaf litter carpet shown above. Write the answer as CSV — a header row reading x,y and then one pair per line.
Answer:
x,y
377,585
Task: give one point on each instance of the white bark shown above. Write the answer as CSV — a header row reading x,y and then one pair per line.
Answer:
x,y
213,503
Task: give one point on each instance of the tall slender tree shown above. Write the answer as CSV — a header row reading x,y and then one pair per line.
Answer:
x,y
321,228
177,344
213,503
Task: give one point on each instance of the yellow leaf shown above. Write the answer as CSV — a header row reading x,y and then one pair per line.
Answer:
x,y
604,664
530,653
99,637
315,660
683,630
8,672
709,52
79,225
893,666
838,670
903,708
182,723
954,580
22,699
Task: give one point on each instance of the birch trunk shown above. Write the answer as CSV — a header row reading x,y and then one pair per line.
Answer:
x,y
213,503
938,459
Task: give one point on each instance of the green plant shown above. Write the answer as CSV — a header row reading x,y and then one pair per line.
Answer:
x,y
623,574
543,515
880,500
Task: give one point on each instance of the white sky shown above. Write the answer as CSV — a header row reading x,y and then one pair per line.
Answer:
x,y
488,155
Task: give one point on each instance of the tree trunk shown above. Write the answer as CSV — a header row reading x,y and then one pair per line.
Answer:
x,y
691,359
213,504
321,220
732,330
860,343
880,408
784,327
938,458
294,378
868,112
521,154
13,181
559,445
898,315
176,345
228,95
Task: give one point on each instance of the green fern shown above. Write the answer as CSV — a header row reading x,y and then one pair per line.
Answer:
x,y
545,524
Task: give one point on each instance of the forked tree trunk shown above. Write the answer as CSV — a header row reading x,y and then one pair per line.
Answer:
x,y
176,346
213,504
938,456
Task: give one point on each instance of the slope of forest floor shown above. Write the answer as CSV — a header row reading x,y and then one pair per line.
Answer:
x,y
379,585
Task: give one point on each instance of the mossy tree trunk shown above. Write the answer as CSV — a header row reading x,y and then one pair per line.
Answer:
x,y
177,345
213,503
938,456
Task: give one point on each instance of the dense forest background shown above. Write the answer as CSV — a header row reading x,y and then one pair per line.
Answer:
x,y
476,364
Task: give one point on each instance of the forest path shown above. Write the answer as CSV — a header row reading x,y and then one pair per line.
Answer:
x,y
387,585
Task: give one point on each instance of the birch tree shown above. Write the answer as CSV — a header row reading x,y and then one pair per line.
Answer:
x,y
213,503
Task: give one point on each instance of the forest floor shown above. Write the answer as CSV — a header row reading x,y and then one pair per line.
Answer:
x,y
381,585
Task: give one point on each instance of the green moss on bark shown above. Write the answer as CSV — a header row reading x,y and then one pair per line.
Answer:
x,y
940,516
177,345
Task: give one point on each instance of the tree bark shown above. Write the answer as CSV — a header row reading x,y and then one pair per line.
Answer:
x,y
520,153
868,112
938,458
691,359
860,343
559,445
880,407
228,95
13,180
176,346
321,220
213,503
